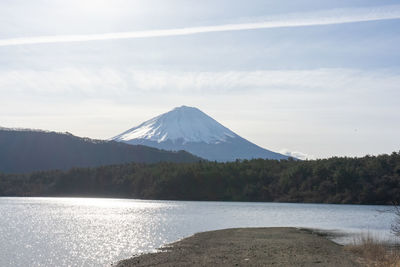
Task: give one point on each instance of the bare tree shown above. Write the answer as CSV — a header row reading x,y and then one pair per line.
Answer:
x,y
396,224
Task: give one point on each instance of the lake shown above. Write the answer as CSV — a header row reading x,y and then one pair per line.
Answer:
x,y
98,232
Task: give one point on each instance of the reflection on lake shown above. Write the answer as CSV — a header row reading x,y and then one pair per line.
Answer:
x,y
93,232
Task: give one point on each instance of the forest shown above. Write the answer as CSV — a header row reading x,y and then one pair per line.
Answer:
x,y
365,180
24,151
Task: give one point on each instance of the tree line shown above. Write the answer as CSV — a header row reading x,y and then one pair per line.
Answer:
x,y
366,180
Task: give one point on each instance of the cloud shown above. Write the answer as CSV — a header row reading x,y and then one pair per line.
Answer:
x,y
336,16
231,81
296,154
72,81
105,82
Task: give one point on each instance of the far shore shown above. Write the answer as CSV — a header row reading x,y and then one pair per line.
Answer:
x,y
250,247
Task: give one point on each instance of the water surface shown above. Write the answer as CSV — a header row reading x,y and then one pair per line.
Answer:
x,y
98,232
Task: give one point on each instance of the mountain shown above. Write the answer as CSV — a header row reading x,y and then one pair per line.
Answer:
x,y
188,128
24,150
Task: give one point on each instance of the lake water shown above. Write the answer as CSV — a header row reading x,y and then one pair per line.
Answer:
x,y
98,232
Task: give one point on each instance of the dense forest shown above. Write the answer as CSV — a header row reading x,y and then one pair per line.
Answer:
x,y
366,180
29,150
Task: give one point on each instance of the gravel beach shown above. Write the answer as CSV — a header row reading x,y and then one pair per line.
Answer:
x,y
249,247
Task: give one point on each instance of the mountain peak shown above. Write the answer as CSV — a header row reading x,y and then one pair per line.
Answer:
x,y
190,129
181,124
186,111
183,107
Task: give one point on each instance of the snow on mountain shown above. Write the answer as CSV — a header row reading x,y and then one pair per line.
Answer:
x,y
184,124
188,128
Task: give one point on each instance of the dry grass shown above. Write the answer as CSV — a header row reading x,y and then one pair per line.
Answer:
x,y
375,252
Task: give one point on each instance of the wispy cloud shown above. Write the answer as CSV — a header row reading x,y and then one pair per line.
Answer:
x,y
109,81
296,154
336,16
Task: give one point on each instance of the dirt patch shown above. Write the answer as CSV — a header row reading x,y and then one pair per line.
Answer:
x,y
249,247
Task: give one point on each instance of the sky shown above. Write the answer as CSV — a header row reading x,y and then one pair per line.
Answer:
x,y
314,78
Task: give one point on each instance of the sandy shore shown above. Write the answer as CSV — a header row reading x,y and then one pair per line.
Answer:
x,y
249,247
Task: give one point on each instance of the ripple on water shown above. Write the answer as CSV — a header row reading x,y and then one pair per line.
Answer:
x,y
97,232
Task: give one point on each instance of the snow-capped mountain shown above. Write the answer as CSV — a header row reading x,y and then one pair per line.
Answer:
x,y
188,128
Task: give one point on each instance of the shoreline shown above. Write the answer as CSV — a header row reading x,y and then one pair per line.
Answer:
x,y
88,196
276,246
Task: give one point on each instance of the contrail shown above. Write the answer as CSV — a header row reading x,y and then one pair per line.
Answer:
x,y
298,20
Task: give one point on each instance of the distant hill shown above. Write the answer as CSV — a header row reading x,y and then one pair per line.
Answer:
x,y
32,150
190,129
